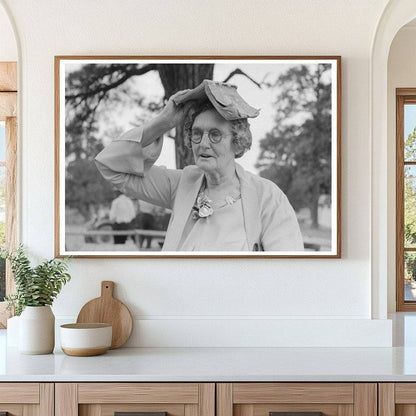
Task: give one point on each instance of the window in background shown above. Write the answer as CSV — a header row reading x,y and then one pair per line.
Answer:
x,y
406,199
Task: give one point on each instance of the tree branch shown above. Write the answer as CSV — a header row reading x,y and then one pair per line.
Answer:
x,y
238,71
107,87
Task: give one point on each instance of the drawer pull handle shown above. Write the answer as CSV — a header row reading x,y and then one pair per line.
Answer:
x,y
140,414
296,414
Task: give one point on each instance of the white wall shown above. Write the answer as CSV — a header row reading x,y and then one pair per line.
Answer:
x,y
179,302
401,74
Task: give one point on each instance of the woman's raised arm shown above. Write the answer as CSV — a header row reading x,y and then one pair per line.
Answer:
x,y
171,116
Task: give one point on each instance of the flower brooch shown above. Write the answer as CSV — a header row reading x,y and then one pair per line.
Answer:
x,y
202,207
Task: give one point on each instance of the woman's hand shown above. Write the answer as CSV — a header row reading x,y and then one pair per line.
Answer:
x,y
173,114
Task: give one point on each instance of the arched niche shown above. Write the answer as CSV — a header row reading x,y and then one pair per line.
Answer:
x,y
396,14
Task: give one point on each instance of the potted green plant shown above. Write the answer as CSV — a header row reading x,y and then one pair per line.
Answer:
x,y
36,289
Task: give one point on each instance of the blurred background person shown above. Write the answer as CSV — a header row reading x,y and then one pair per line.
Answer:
x,y
122,213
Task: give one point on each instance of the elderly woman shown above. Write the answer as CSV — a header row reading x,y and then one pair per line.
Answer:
x,y
216,204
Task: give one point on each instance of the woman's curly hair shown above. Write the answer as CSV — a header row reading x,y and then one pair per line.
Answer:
x,y
240,128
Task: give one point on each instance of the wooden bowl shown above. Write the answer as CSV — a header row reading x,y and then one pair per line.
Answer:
x,y
84,340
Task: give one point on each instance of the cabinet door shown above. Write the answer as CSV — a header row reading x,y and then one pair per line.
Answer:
x,y
297,399
397,399
144,399
26,399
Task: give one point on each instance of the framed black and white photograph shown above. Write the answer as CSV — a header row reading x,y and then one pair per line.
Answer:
x,y
198,156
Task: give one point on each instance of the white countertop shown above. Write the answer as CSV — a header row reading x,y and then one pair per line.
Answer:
x,y
213,364
222,364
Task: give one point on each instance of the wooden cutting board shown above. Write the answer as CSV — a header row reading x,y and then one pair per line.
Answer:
x,y
107,309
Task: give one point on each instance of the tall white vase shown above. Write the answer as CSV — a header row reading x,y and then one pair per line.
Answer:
x,y
37,330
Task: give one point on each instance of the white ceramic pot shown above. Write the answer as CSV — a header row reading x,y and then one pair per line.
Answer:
x,y
85,339
37,330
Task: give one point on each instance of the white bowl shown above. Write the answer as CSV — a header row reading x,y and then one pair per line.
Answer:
x,y
84,340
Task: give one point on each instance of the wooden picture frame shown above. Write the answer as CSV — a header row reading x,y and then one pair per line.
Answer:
x,y
296,144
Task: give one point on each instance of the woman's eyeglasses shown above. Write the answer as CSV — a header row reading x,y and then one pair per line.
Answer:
x,y
214,136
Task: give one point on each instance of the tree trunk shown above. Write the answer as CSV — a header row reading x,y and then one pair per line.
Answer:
x,y
177,77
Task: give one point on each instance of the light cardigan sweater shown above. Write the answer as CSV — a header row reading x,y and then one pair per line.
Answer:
x,y
269,219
